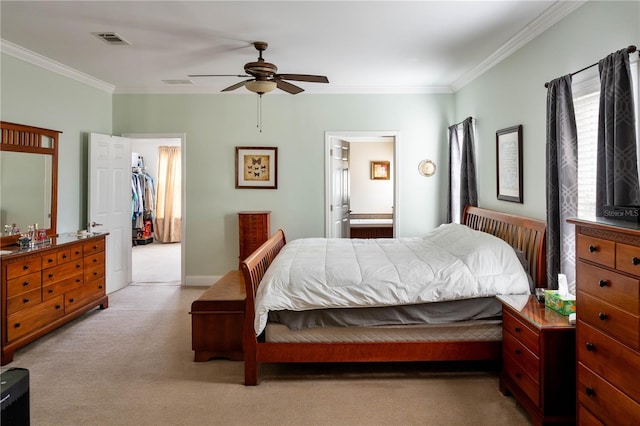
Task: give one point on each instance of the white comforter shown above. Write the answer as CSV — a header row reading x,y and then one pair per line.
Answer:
x,y
451,262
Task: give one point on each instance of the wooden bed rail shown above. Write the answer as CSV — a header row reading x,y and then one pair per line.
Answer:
x,y
524,234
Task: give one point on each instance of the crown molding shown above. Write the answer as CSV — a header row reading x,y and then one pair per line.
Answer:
x,y
53,66
543,22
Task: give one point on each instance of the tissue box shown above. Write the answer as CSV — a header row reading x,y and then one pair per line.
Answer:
x,y
563,304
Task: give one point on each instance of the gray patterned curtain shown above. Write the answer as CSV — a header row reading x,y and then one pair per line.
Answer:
x,y
617,170
463,187
562,182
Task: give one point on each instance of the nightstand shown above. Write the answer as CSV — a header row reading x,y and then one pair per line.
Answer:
x,y
538,360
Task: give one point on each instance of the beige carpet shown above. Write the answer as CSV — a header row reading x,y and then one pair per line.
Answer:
x,y
132,364
155,263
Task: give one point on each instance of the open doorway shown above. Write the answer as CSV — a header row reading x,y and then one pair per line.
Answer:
x,y
357,198
158,237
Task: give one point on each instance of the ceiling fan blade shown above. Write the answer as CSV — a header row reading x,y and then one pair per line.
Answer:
x,y
288,87
304,77
235,86
217,75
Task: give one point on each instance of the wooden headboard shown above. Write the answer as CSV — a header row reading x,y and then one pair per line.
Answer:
x,y
525,234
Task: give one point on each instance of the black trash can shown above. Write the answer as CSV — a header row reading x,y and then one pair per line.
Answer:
x,y
14,387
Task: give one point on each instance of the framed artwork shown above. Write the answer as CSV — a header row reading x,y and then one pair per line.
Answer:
x,y
380,170
256,167
509,164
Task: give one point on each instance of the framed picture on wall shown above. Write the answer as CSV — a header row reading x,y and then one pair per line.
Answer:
x,y
380,170
256,167
509,164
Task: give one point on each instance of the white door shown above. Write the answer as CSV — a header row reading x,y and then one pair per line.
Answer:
x,y
109,206
340,208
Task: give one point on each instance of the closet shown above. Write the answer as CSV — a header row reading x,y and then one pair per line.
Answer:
x,y
142,201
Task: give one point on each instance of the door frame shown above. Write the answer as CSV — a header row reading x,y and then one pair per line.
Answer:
x,y
355,137
183,183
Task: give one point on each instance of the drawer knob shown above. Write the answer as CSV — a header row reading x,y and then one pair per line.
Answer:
x,y
64,256
518,351
50,291
603,283
25,267
518,375
25,300
517,329
50,275
78,266
71,300
50,260
603,316
26,283
58,306
635,261
590,347
16,325
592,248
590,391
100,287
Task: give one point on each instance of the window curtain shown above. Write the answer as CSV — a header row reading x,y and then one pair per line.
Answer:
x,y
463,187
562,182
617,166
169,195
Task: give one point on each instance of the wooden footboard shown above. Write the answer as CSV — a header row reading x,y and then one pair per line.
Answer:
x,y
525,234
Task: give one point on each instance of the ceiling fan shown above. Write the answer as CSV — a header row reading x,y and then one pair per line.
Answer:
x,y
265,77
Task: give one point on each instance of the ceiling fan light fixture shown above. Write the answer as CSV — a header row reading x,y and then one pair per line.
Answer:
x,y
260,86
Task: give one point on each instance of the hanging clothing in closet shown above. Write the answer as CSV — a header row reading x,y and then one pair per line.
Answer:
x,y
142,197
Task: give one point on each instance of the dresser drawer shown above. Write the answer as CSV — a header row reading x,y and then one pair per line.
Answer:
x,y
512,347
49,259
91,247
610,320
614,288
596,250
528,384
23,284
520,331
25,300
606,402
608,358
94,260
61,272
27,320
62,286
628,259
18,269
585,418
80,296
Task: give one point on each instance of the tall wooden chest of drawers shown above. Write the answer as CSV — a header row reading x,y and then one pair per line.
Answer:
x,y
608,321
254,229
47,286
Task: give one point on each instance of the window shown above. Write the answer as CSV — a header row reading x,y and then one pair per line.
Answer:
x,y
586,104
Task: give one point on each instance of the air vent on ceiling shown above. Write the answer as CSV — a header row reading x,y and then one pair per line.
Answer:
x,y
177,81
111,38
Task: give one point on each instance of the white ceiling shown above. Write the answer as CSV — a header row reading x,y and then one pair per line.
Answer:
x,y
361,46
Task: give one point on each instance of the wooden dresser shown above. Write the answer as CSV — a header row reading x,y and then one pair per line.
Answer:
x,y
538,359
608,321
254,228
48,286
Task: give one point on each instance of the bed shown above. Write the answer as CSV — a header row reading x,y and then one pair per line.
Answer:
x,y
461,339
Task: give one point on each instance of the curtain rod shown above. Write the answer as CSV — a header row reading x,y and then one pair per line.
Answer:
x,y
630,49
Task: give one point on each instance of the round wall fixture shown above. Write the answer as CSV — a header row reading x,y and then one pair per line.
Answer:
x,y
427,168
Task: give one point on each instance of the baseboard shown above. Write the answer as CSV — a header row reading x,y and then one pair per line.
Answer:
x,y
201,280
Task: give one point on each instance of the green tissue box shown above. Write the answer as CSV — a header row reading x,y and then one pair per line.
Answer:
x,y
563,304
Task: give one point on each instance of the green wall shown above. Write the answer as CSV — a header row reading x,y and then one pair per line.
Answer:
x,y
513,92
215,124
36,97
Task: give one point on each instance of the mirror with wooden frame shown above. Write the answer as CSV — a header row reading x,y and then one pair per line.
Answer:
x,y
28,179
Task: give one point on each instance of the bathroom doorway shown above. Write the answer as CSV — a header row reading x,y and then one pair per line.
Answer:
x,y
370,201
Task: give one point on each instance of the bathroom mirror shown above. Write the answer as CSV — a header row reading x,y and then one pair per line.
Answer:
x,y
28,178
